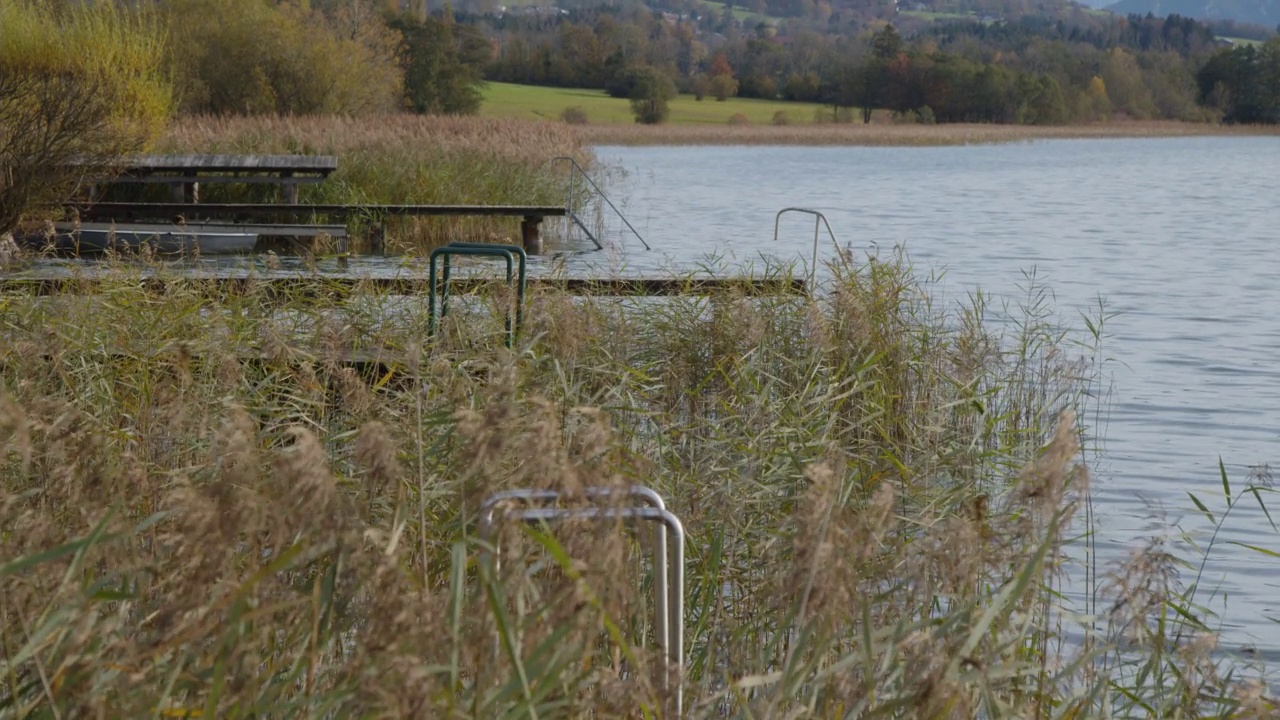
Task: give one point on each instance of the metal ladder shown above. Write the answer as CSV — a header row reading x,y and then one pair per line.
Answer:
x,y
668,575
571,207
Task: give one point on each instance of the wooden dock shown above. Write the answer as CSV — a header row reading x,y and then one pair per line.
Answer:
x,y
341,287
531,216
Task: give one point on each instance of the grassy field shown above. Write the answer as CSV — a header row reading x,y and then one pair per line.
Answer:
x,y
936,16
739,13
504,100
1240,40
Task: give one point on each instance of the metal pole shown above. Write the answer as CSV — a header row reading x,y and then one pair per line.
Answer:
x,y
431,297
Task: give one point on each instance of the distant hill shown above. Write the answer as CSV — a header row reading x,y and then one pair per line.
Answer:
x,y
1255,12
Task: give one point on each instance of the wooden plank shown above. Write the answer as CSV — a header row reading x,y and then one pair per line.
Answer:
x,y
121,210
271,229
215,179
338,287
233,163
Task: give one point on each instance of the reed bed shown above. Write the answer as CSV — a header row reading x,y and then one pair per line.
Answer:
x,y
877,134
208,512
401,158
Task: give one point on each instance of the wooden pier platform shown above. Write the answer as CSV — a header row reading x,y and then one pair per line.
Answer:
x,y
340,287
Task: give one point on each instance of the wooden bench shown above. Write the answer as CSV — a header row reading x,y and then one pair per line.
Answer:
x,y
531,215
184,173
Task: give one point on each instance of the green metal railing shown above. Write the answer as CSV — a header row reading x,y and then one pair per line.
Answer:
x,y
509,253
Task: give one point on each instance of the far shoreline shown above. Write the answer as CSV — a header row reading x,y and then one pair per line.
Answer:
x,y
906,135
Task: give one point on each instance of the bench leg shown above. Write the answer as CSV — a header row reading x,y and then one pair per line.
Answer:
x,y
529,234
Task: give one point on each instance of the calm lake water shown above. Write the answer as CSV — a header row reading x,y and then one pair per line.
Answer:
x,y
1177,236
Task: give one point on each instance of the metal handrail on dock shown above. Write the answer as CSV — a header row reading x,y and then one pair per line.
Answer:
x,y
818,218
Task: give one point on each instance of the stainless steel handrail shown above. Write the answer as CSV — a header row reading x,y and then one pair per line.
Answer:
x,y
668,580
663,600
818,218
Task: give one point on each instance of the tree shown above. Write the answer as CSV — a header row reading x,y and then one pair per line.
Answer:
x,y
443,64
79,89
651,90
722,83
250,57
1244,82
723,87
887,43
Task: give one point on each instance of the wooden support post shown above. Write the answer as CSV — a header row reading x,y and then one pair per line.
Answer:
x,y
290,188
530,235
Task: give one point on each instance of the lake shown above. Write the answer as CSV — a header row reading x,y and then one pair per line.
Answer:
x,y
1177,236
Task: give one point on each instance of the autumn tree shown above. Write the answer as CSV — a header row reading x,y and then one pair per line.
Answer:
x,y
248,57
79,89
721,82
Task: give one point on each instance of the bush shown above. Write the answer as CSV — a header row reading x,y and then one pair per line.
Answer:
x,y
78,89
700,86
739,120
651,90
723,87
574,115
781,118
250,57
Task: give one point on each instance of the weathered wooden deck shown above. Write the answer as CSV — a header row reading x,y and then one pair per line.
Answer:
x,y
530,224
340,287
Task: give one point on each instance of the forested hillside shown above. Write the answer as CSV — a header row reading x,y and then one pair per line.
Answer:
x,y
1257,12
1041,62
1031,70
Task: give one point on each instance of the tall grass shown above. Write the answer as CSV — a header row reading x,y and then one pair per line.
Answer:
x,y
396,159
208,511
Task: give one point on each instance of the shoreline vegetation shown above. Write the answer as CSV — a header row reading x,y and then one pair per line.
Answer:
x,y
206,512
905,135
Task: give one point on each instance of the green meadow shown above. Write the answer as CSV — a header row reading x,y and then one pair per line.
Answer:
x,y
505,100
